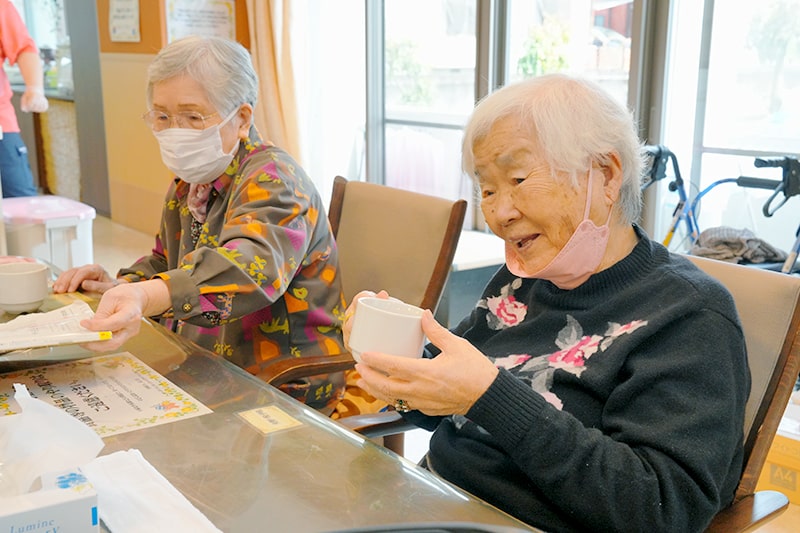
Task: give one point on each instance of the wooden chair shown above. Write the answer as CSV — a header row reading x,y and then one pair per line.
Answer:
x,y
387,238
393,239
769,308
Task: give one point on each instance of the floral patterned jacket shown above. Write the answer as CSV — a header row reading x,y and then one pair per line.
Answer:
x,y
258,281
619,404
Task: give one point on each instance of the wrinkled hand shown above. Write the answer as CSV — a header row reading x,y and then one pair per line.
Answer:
x,y
33,100
92,278
121,309
347,324
448,384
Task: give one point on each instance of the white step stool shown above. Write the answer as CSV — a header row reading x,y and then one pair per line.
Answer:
x,y
55,229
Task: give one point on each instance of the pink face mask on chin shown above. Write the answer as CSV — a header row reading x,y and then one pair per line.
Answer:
x,y
577,260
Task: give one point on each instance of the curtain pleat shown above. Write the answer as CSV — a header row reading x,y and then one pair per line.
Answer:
x,y
276,111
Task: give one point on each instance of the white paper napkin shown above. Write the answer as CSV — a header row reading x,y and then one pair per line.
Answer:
x,y
132,497
41,438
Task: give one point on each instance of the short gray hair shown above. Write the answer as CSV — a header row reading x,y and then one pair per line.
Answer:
x,y
575,122
223,67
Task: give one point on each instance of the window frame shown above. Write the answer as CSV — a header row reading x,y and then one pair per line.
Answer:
x,y
491,72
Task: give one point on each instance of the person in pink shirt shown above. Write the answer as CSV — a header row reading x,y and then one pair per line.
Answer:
x,y
17,46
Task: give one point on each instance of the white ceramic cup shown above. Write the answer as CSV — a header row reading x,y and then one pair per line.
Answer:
x,y
23,286
386,325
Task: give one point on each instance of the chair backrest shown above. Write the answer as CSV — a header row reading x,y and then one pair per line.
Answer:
x,y
769,309
392,239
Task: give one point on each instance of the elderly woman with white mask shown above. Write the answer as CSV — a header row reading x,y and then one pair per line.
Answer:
x,y
244,263
600,382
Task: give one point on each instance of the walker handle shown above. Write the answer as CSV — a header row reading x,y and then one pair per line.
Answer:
x,y
758,183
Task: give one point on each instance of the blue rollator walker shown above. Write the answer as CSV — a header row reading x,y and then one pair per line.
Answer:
x,y
686,211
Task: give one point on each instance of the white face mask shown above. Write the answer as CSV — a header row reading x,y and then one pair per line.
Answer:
x,y
196,156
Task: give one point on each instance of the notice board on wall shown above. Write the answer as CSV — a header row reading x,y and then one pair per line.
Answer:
x,y
209,18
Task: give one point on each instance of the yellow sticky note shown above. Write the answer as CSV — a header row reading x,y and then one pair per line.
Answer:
x,y
269,419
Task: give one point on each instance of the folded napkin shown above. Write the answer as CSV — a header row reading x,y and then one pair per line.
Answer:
x,y
133,497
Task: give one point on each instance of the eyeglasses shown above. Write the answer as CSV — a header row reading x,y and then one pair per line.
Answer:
x,y
158,120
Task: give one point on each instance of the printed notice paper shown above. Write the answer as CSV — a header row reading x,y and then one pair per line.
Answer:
x,y
123,21
111,394
209,18
60,326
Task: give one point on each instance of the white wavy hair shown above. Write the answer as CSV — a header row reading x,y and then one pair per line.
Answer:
x,y
223,67
575,122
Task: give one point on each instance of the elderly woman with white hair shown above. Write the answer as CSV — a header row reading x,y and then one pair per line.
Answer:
x,y
600,382
245,263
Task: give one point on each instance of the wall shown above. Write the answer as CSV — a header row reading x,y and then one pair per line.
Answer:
x,y
87,95
137,178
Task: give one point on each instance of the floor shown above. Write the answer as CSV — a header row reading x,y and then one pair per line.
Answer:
x,y
116,246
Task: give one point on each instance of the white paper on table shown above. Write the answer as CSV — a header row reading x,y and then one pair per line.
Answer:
x,y
133,497
60,326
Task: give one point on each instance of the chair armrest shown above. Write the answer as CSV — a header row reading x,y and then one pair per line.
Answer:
x,y
750,511
285,370
377,424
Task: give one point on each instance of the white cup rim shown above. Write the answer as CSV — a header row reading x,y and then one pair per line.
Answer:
x,y
20,268
392,306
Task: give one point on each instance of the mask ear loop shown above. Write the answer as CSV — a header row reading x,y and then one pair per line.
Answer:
x,y
588,206
229,117
222,124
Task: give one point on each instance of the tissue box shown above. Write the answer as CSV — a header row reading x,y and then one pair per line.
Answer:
x,y
782,470
67,502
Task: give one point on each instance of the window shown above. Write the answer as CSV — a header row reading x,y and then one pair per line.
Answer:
x,y
430,68
733,95
46,23
427,63
592,38
429,90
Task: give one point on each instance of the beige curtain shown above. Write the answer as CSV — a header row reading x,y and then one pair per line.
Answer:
x,y
276,111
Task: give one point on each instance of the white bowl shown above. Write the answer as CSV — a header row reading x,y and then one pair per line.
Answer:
x,y
23,286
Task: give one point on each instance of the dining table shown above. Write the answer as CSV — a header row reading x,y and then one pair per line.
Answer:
x,y
255,459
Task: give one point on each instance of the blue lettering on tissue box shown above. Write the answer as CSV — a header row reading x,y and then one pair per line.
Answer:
x,y
73,479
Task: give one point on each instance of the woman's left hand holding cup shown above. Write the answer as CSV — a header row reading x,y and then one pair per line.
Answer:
x,y
349,313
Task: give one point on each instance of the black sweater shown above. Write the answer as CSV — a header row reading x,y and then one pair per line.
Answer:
x,y
619,405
